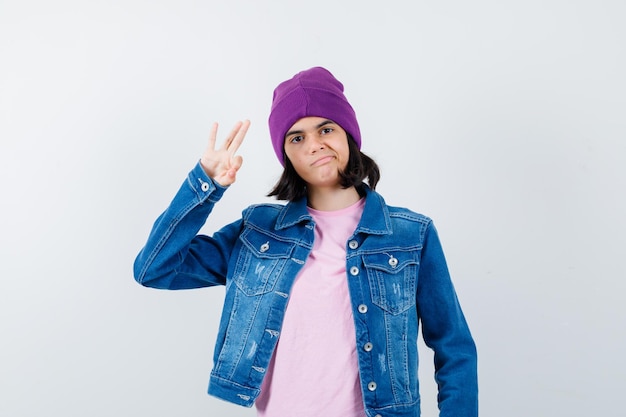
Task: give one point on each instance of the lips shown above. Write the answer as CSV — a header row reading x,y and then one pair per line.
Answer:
x,y
322,160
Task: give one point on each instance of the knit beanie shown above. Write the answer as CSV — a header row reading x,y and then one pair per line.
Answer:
x,y
314,92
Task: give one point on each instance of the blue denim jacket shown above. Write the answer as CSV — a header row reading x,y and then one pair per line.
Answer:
x,y
397,276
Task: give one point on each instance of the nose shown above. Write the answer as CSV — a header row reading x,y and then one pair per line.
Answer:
x,y
316,143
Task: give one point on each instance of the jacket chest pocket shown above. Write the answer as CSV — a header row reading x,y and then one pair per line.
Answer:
x,y
392,277
260,262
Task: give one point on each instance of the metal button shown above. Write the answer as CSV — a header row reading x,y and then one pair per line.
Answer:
x,y
354,270
265,247
368,347
393,262
353,244
205,186
378,415
372,386
362,308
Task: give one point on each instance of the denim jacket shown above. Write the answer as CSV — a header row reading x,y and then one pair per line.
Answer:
x,y
397,276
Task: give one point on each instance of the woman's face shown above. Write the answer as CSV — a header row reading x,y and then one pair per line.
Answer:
x,y
318,150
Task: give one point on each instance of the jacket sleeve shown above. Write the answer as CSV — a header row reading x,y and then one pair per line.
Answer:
x,y
446,332
174,256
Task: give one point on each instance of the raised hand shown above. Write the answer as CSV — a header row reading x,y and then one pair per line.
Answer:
x,y
222,164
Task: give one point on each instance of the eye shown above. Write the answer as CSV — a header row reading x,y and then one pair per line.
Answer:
x,y
296,139
327,130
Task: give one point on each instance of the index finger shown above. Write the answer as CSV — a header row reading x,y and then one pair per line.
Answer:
x,y
213,135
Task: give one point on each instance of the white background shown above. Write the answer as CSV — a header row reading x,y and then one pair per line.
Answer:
x,y
504,121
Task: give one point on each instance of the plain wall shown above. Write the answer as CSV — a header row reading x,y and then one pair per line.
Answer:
x,y
503,121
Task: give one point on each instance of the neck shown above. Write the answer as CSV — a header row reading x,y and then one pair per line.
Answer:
x,y
330,199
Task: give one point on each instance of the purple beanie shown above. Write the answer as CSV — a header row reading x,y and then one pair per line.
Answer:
x,y
314,92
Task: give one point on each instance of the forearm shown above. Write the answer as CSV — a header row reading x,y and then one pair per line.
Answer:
x,y
171,257
445,330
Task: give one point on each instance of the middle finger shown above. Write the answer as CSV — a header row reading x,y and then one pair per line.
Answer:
x,y
241,130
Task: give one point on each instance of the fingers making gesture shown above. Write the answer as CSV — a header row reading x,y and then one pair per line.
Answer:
x,y
222,164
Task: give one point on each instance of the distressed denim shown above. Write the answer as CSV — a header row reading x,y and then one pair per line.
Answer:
x,y
397,277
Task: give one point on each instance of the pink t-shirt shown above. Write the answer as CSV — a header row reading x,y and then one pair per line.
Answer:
x,y
314,371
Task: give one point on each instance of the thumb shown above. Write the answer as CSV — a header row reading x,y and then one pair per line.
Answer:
x,y
235,164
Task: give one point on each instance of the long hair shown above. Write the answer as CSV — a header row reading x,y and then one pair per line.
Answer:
x,y
360,167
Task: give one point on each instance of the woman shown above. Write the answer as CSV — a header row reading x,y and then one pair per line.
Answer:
x,y
324,294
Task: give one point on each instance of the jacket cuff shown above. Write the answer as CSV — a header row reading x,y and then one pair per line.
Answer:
x,y
232,392
205,187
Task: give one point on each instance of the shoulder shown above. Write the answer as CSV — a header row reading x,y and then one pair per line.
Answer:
x,y
408,224
400,214
271,210
405,214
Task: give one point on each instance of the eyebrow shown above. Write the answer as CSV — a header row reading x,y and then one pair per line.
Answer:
x,y
324,123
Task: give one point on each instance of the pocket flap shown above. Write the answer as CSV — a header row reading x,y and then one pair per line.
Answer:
x,y
391,262
264,246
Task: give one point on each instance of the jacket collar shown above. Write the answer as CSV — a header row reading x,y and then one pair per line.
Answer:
x,y
293,213
374,220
